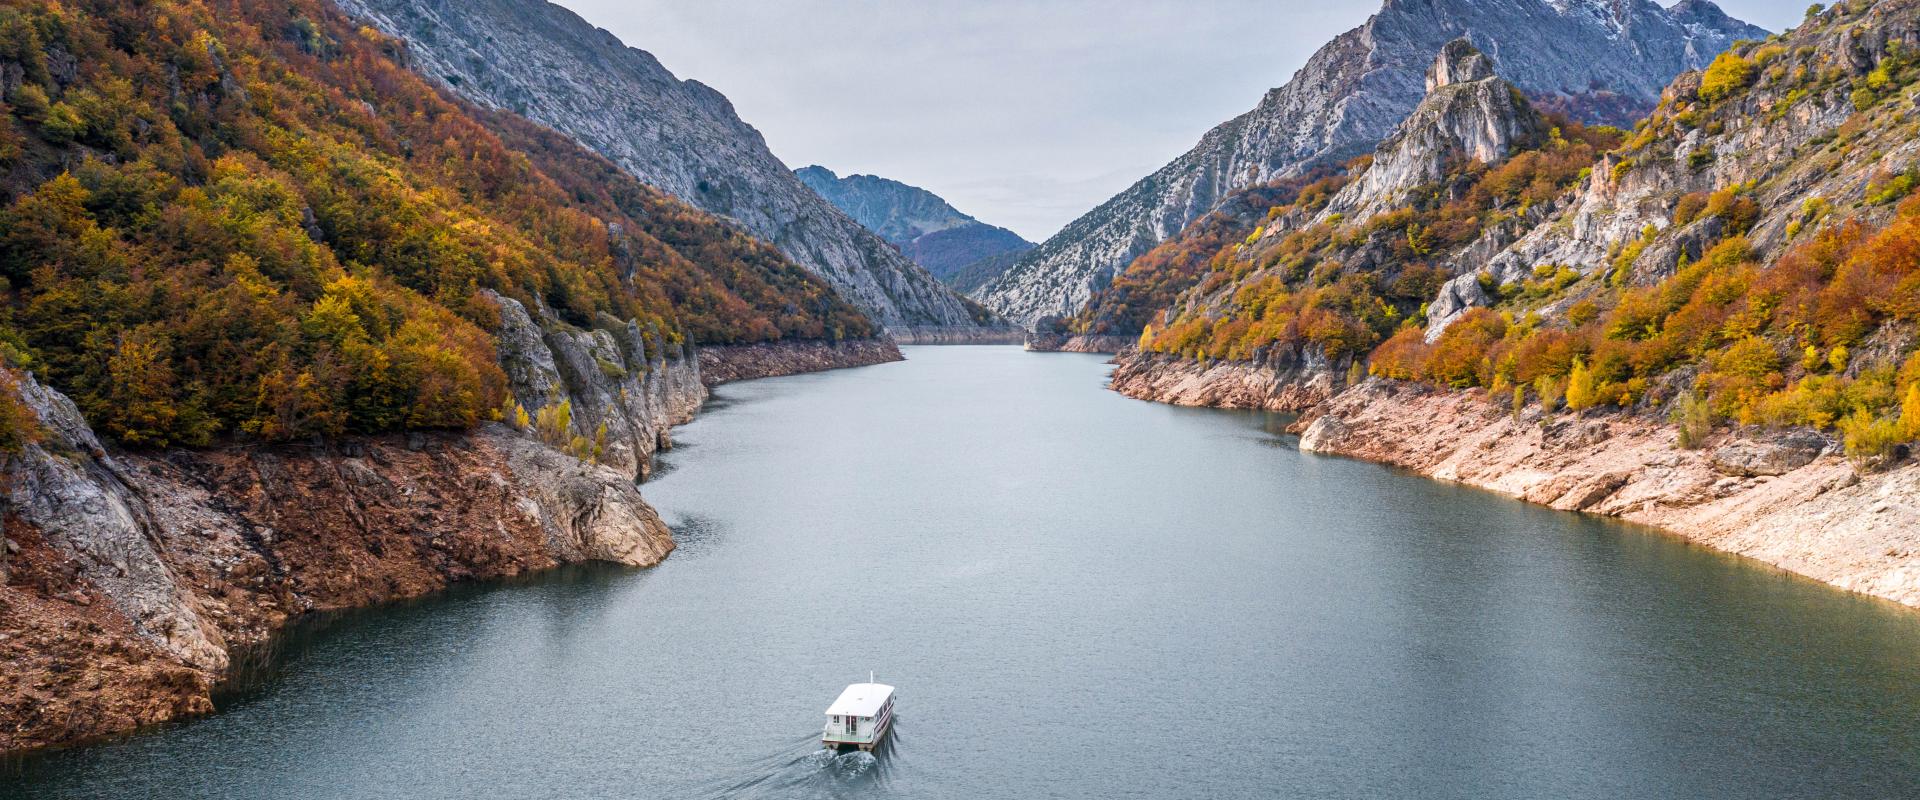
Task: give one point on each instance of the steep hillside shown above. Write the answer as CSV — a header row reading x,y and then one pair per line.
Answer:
x,y
1714,325
284,329
1592,57
541,61
1120,311
252,222
1336,272
925,227
898,212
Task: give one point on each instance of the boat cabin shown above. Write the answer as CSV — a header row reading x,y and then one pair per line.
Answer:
x,y
860,718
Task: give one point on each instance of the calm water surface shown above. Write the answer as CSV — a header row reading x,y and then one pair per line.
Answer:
x,y
1080,596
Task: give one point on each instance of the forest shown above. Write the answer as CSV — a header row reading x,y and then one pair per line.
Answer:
x,y
239,218
1818,334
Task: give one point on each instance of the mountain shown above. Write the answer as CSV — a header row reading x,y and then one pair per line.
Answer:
x,y
1709,324
286,329
542,61
1745,255
1334,273
287,234
1604,59
926,228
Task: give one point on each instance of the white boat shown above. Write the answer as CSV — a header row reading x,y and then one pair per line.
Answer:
x,y
860,718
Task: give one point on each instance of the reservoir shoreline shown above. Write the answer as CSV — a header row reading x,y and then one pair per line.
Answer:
x,y
1787,499
130,581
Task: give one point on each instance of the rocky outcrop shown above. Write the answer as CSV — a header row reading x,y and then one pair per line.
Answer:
x,y
624,386
1077,343
1349,96
131,579
543,62
1467,114
1785,140
1784,498
1286,380
730,363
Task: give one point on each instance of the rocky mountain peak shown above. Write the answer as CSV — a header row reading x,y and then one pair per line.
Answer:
x,y
1468,113
1459,61
1600,60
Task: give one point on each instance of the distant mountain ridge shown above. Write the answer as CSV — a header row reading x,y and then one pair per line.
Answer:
x,y
1594,56
952,245
546,63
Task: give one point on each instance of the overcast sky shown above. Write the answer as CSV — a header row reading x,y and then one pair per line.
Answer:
x,y
1023,113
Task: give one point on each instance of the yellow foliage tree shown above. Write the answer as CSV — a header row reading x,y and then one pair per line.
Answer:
x,y
1729,73
1582,387
1910,412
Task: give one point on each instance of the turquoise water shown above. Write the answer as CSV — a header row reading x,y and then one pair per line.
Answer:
x,y
1079,596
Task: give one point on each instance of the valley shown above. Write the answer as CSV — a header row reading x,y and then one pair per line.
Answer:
x,y
1521,400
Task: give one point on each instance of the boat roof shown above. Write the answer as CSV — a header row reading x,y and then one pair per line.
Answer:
x,y
861,700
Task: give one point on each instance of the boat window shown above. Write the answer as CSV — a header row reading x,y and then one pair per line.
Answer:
x,y
853,724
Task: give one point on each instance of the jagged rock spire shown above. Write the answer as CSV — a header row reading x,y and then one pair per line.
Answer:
x,y
1469,112
1459,62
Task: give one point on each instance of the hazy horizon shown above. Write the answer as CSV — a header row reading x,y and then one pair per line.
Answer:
x,y
1024,115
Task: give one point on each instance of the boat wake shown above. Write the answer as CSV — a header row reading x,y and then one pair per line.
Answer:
x,y
805,769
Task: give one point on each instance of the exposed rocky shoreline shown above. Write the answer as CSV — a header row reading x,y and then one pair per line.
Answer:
x,y
1077,343
1787,498
128,581
1287,382
959,334
742,362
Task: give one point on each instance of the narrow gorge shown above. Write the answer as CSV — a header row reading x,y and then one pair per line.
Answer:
x,y
428,399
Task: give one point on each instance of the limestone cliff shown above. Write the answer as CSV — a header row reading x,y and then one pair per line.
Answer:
x,y
1285,379
1788,134
131,578
1351,94
1468,113
1786,498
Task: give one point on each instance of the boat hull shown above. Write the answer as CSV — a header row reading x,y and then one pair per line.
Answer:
x,y
864,744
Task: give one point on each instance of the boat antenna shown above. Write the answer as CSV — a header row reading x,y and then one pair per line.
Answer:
x,y
869,676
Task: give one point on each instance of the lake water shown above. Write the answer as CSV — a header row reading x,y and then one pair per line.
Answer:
x,y
1079,596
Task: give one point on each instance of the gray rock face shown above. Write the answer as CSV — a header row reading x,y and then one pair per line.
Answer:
x,y
84,502
925,227
1775,455
547,64
148,533
1772,137
1351,94
1467,114
1459,62
625,389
